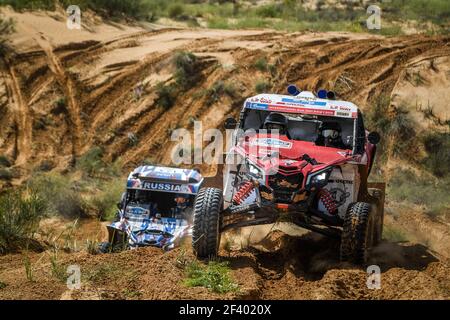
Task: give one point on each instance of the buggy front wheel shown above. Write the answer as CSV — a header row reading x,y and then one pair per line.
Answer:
x,y
206,227
358,233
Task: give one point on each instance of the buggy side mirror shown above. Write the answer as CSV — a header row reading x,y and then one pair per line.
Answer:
x,y
374,137
230,123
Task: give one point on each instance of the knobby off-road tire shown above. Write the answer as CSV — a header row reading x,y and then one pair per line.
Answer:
x,y
206,229
357,233
379,215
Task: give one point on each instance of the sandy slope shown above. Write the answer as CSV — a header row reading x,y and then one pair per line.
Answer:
x,y
97,70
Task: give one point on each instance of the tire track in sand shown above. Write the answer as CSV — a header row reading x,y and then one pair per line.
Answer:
x,y
22,116
69,89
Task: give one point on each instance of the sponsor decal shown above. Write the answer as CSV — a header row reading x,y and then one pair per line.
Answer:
x,y
301,106
272,143
137,211
339,195
312,102
133,184
342,114
341,181
264,100
162,186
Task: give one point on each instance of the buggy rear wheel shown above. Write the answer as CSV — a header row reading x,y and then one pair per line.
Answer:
x,y
358,233
206,227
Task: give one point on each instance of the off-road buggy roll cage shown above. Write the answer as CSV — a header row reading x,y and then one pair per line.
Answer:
x,y
358,133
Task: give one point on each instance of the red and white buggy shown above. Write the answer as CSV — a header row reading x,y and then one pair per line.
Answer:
x,y
297,157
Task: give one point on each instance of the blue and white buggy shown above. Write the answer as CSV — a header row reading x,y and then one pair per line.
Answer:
x,y
155,210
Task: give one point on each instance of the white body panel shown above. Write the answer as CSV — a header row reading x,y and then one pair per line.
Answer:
x,y
344,187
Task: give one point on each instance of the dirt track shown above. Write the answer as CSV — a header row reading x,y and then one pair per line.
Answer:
x,y
281,267
97,74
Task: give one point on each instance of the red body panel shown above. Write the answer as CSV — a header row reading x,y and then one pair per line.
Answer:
x,y
285,156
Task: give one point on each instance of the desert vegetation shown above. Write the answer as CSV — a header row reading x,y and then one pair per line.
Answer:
x,y
424,180
287,15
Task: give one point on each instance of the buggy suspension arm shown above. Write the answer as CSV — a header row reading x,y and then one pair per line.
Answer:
x,y
244,208
248,223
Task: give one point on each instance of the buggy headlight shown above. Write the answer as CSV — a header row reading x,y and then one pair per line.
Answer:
x,y
318,179
254,171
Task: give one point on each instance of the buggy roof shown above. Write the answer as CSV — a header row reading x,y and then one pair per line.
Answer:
x,y
165,179
305,103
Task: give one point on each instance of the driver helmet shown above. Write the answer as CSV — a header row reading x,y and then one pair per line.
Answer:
x,y
181,199
330,130
276,121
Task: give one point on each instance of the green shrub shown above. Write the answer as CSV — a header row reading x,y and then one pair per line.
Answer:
x,y
261,64
61,196
118,8
436,11
218,89
59,106
4,161
377,117
104,203
102,272
70,204
262,86
166,95
187,72
19,219
403,132
30,4
396,127
58,269
218,23
391,31
7,26
215,276
437,146
269,11
406,186
92,246
5,174
45,166
175,10
29,272
91,162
